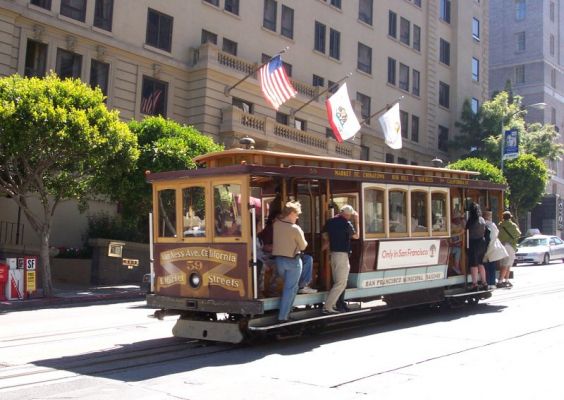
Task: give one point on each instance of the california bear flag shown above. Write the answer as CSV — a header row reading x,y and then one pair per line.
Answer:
x,y
341,115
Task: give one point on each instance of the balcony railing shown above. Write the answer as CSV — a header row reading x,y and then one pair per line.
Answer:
x,y
265,129
11,233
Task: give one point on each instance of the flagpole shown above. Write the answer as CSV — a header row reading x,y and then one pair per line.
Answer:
x,y
293,112
230,88
386,108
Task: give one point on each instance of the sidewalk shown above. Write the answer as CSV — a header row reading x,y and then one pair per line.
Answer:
x,y
68,294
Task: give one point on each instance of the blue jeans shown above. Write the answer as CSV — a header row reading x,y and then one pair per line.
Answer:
x,y
290,269
490,272
307,270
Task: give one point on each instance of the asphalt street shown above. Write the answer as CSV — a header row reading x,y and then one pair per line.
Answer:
x,y
509,346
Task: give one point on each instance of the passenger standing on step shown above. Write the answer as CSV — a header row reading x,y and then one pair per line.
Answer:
x,y
509,234
476,226
494,252
288,244
337,234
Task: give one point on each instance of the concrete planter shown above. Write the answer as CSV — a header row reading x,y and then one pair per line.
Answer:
x,y
71,270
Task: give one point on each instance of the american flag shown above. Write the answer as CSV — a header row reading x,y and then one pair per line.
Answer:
x,y
275,84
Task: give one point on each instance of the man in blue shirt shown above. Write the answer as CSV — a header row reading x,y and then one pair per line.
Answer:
x,y
337,234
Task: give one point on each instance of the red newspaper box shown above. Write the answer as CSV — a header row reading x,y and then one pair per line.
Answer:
x,y
3,280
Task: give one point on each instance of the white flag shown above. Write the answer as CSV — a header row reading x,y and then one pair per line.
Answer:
x,y
341,115
391,126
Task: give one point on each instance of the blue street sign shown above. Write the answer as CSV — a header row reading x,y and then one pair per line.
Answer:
x,y
510,144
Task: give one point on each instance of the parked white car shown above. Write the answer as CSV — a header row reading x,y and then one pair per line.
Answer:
x,y
540,249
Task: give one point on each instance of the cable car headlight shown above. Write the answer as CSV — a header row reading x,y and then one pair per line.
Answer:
x,y
195,280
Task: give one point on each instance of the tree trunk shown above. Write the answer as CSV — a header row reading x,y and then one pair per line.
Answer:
x,y
45,263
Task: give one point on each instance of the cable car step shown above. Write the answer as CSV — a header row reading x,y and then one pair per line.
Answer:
x,y
309,319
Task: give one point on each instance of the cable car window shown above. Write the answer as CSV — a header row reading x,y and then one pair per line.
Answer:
x,y
167,212
374,210
438,211
419,211
397,209
342,199
194,211
227,210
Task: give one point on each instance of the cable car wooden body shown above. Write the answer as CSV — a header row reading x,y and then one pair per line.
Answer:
x,y
207,259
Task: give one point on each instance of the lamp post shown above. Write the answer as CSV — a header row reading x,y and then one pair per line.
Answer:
x,y
538,106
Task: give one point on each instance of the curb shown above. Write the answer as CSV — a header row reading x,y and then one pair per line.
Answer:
x,y
61,300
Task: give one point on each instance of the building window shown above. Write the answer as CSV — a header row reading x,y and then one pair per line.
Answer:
x,y
392,24
415,86
445,10
364,62
553,115
232,6
103,14
476,28
474,105
551,45
332,87
159,30
35,59
69,65
365,11
153,97
229,46
75,9
443,138
213,2
364,153
282,118
364,101
520,10
319,44
444,94
336,3
404,121
402,160
318,81
329,133
553,78
334,44
46,4
520,74
391,71
417,3
99,75
552,11
415,128
404,77
520,40
444,52
300,124
405,28
416,37
241,104
269,15
209,37
287,22
475,69
389,158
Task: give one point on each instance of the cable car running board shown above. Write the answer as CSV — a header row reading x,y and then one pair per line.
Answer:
x,y
301,321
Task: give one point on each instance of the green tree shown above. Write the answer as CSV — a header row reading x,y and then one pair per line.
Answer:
x,y
58,141
488,172
482,131
165,145
527,177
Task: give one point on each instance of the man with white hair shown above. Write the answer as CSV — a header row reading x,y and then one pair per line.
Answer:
x,y
337,234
